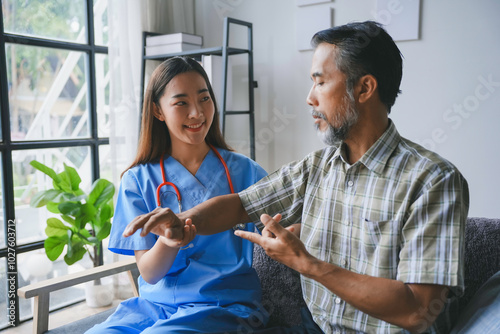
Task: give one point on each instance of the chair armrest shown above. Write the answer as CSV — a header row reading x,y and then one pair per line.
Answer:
x,y
41,290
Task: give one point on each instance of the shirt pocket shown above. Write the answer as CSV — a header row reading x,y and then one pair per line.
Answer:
x,y
381,233
379,247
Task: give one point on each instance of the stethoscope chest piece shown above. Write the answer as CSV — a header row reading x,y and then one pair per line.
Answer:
x,y
239,227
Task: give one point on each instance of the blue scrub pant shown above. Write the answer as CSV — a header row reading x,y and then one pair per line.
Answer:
x,y
138,315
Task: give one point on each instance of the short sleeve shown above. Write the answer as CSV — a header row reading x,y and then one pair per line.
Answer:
x,y
280,192
130,204
433,234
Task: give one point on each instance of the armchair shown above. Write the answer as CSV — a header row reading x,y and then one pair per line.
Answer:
x,y
41,291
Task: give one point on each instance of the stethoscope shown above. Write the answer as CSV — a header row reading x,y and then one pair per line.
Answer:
x,y
177,192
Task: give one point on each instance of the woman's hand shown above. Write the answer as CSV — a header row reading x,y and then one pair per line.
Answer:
x,y
162,222
189,234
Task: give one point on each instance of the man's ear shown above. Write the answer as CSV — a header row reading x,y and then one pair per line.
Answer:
x,y
367,88
157,112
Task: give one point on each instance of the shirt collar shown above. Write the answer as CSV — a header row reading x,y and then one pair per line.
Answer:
x,y
375,159
377,155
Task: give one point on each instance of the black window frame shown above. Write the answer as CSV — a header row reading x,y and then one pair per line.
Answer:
x,y
7,146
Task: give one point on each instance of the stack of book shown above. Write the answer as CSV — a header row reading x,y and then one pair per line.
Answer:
x,y
172,43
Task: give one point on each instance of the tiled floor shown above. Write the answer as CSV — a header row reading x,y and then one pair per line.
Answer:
x,y
61,317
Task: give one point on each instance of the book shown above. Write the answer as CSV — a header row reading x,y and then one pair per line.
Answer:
x,y
181,37
156,50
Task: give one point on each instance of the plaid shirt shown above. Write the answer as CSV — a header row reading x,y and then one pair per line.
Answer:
x,y
399,213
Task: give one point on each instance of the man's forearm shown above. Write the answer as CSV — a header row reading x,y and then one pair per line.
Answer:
x,y
217,214
404,305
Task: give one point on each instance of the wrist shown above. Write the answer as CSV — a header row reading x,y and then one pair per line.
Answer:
x,y
315,269
168,244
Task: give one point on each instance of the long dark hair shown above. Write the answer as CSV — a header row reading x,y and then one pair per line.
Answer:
x,y
154,138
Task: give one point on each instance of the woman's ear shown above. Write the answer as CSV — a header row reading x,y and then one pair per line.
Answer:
x,y
157,112
367,88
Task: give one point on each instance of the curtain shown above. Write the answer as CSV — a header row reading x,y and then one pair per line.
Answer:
x,y
128,19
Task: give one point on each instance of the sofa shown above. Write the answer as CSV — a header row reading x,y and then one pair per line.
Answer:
x,y
282,292
282,295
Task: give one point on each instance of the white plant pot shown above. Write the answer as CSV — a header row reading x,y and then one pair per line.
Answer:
x,y
99,295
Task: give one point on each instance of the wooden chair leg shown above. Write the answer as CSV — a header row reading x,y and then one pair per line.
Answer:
x,y
133,281
41,313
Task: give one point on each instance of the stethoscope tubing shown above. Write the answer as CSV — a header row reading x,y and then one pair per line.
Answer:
x,y
177,192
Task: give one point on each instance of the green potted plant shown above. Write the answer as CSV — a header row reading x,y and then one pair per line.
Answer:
x,y
85,218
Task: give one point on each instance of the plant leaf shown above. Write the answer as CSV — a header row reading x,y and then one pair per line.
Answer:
x,y
53,207
85,233
78,223
41,198
70,208
104,215
73,177
72,198
77,254
65,183
101,192
103,232
93,240
68,220
69,251
46,170
87,213
54,246
56,228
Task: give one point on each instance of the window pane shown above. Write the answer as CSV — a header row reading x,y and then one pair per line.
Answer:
x,y
3,294
30,221
47,93
52,19
105,162
102,94
35,267
101,22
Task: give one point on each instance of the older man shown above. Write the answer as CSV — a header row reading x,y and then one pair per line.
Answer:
x,y
382,219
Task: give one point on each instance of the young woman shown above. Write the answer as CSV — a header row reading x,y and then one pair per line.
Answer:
x,y
208,284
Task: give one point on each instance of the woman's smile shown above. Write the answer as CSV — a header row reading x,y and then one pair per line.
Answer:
x,y
194,127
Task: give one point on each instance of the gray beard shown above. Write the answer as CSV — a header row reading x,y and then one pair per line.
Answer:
x,y
347,117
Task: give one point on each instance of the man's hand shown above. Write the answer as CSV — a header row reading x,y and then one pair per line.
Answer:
x,y
162,222
279,243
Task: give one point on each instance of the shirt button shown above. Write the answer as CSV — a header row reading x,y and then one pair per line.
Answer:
x,y
337,300
344,262
350,183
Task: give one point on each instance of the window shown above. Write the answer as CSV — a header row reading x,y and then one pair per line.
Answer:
x,y
54,98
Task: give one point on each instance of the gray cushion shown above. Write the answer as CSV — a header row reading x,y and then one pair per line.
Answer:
x,y
281,290
482,254
82,325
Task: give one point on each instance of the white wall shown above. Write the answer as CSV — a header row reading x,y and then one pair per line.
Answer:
x,y
445,104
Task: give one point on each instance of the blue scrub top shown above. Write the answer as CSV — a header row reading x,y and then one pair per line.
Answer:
x,y
213,269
